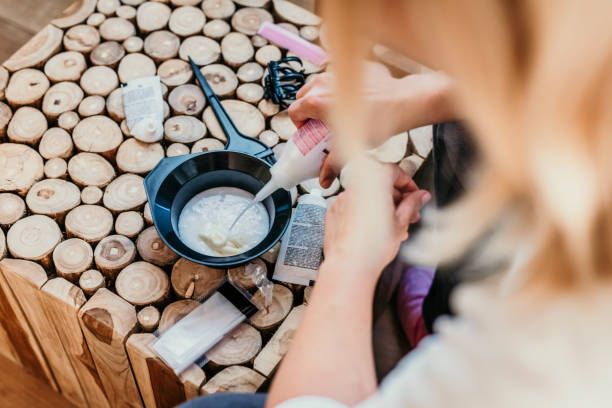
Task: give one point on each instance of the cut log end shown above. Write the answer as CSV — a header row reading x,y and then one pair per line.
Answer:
x,y
89,222
148,318
129,223
114,253
238,347
142,283
195,281
152,249
71,258
272,315
90,281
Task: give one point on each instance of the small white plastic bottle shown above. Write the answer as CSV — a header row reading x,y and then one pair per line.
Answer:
x,y
301,250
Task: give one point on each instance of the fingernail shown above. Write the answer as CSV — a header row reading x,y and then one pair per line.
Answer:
x,y
425,199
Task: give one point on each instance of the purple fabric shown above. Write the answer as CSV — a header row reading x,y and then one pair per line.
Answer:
x,y
413,288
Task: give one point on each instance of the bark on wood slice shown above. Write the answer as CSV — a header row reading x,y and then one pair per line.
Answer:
x,y
238,347
411,164
142,283
186,20
71,258
250,72
126,12
82,38
216,29
222,79
90,169
268,108
5,116
92,106
146,213
206,145
267,361
4,78
91,280
114,253
152,249
97,134
152,16
91,195
218,8
34,238
282,124
27,125
194,281
288,11
133,44
74,14
268,53
99,80
36,51
310,33
108,53
271,316
53,197
174,312
184,129
162,45
65,66
243,276
95,19
269,137
187,100
68,120
236,49
138,157
421,140
55,168
108,7
251,93
247,20
258,41
20,167
26,87
148,318
55,142
201,49
245,116
117,29
177,149
129,223
62,97
310,184
125,193
393,150
12,208
252,3
307,294
234,379
114,105
89,222
174,72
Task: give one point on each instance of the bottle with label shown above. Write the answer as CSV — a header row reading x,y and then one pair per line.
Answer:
x,y
301,250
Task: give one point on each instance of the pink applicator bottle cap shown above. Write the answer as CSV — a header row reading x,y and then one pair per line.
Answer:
x,y
292,42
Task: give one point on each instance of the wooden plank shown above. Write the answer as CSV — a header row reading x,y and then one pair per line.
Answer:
x,y
62,301
26,278
7,349
32,14
18,330
13,37
107,321
158,384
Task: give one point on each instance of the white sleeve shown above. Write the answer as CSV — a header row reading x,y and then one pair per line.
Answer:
x,y
311,402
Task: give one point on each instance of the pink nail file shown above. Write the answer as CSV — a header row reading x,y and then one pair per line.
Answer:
x,y
292,42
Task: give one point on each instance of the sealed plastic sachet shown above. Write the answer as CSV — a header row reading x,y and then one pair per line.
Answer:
x,y
144,108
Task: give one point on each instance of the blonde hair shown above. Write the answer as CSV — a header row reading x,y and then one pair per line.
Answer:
x,y
534,83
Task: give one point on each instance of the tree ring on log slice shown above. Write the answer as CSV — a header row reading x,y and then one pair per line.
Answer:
x,y
186,21
174,72
99,80
268,108
61,97
126,12
71,258
310,33
133,44
184,129
207,145
125,193
33,238
26,87
97,134
240,346
243,276
269,137
37,50
152,16
107,7
222,79
116,29
258,41
218,8
142,283
53,197
91,195
95,19
92,106
251,93
114,253
27,125
20,167
90,169
174,312
162,45
55,168
152,249
282,124
108,53
12,208
187,100
245,116
292,13
81,38
68,120
148,318
177,149
268,53
236,49
76,13
114,105
247,20
194,281
129,223
138,157
89,222
134,66
201,49
250,72
65,66
5,116
216,29
275,313
234,379
90,281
